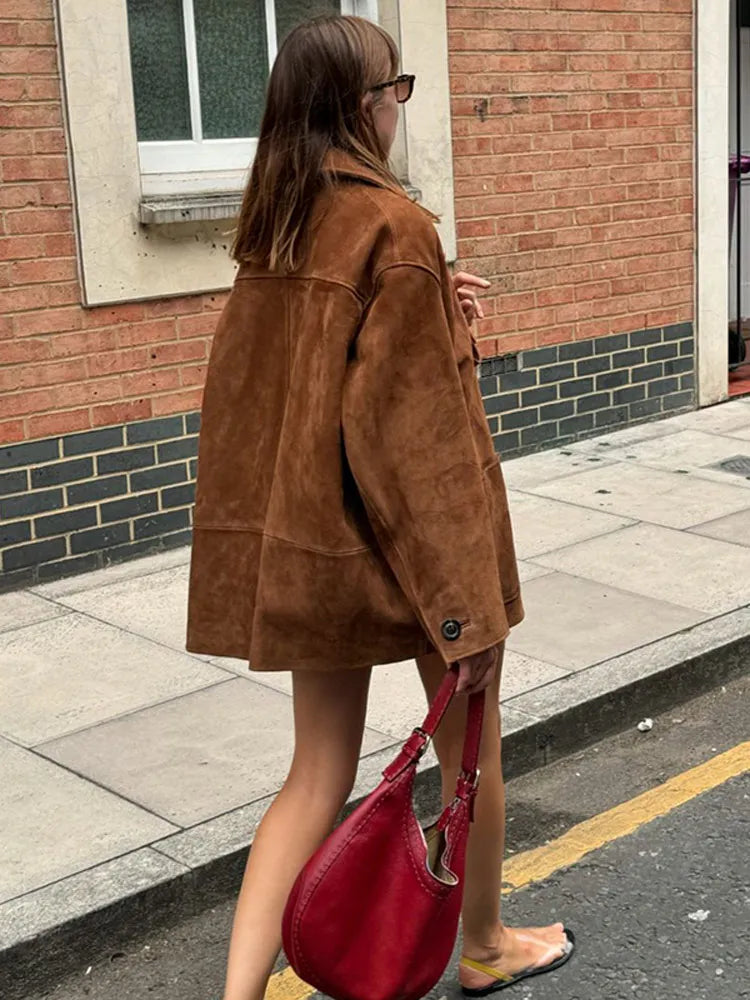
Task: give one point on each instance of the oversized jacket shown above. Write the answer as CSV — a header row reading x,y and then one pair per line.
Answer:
x,y
350,507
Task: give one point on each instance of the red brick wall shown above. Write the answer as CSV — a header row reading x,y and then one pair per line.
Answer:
x,y
573,146
64,368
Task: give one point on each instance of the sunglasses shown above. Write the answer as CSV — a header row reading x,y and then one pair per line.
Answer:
x,y
404,85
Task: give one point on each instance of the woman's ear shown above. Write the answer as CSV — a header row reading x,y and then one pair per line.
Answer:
x,y
366,105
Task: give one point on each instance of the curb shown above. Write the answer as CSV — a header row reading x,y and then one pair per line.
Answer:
x,y
61,928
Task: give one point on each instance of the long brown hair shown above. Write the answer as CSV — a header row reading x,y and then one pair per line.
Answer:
x,y
313,105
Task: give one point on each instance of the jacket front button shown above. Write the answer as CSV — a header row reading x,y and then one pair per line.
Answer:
x,y
451,629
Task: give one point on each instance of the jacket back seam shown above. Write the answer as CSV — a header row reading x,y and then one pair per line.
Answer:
x,y
253,530
352,289
418,264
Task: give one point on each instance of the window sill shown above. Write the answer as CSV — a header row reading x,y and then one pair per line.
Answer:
x,y
205,207
190,208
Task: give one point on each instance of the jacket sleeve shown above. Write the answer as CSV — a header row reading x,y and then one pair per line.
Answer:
x,y
409,444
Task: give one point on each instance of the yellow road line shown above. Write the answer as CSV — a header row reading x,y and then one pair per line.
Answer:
x,y
538,864
286,985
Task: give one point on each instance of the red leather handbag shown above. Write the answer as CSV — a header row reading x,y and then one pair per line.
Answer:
x,y
374,913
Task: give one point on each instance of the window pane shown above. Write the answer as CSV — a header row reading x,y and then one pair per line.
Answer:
x,y
232,65
157,55
291,12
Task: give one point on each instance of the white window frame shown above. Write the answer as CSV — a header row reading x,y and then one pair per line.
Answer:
x,y
172,166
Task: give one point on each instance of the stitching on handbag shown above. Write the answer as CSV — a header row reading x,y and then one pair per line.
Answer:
x,y
451,846
441,893
435,890
304,903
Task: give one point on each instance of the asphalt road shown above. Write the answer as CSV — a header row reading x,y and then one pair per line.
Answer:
x,y
662,913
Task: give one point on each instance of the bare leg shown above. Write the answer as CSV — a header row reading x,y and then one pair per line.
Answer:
x,y
486,938
329,717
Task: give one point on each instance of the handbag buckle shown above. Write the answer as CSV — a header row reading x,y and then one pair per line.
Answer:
x,y
425,737
411,752
466,790
416,746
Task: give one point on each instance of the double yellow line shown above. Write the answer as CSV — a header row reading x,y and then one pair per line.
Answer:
x,y
538,864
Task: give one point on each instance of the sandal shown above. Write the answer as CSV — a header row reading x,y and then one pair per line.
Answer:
x,y
503,979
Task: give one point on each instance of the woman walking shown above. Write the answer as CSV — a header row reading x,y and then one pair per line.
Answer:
x,y
350,508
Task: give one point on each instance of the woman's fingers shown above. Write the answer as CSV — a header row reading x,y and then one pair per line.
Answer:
x,y
465,285
475,672
471,306
464,677
465,278
476,309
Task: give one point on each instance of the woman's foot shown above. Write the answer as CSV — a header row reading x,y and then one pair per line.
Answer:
x,y
517,949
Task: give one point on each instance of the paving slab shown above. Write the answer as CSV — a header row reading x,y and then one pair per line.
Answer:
x,y
529,570
718,647
678,567
541,524
523,673
154,606
722,418
599,444
574,622
530,470
734,528
688,449
71,823
689,452
70,672
19,608
195,756
644,494
742,433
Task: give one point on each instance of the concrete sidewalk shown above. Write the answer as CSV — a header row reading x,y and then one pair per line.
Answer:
x,y
127,763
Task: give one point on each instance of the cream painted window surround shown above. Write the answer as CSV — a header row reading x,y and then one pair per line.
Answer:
x,y
712,37
139,238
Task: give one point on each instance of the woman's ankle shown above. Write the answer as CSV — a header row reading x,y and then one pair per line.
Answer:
x,y
485,946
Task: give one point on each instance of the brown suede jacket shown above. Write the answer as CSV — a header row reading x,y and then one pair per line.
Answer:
x,y
350,507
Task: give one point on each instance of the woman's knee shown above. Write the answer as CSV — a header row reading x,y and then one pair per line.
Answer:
x,y
326,785
329,713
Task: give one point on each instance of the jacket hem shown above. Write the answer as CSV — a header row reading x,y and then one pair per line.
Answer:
x,y
514,613
397,655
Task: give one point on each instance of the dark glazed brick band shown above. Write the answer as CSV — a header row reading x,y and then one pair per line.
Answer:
x,y
78,502
588,387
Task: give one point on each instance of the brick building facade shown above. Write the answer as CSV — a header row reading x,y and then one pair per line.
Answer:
x,y
573,159
573,183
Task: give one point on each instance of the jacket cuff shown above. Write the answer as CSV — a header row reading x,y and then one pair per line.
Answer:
x,y
457,638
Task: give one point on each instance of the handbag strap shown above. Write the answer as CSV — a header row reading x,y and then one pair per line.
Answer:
x,y
417,743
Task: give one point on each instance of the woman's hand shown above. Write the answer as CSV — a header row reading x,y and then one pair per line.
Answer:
x,y
475,673
466,285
